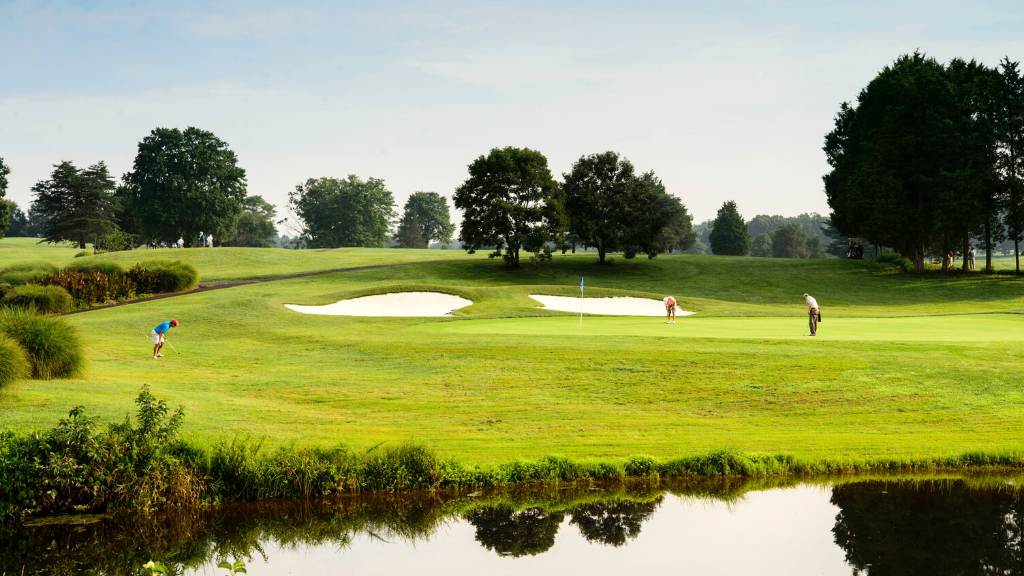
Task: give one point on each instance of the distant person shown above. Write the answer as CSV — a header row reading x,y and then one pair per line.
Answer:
x,y
202,240
670,309
970,258
209,241
158,336
181,242
949,259
813,313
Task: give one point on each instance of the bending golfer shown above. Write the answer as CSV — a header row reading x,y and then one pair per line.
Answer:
x,y
670,309
813,313
158,336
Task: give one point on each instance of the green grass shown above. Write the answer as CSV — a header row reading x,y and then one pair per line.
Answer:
x,y
495,383
20,250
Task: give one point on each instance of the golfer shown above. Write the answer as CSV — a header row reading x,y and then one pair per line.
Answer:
x,y
670,309
813,313
158,336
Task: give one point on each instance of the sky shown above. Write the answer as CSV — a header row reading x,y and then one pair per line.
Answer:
x,y
724,100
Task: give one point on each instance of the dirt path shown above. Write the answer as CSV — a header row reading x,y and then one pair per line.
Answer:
x,y
222,284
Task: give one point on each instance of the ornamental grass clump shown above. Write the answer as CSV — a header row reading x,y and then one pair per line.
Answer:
x,y
40,299
26,272
14,364
102,266
171,276
51,343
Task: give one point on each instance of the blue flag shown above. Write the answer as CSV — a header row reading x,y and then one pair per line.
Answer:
x,y
581,283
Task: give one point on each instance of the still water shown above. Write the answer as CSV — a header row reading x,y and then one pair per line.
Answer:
x,y
856,526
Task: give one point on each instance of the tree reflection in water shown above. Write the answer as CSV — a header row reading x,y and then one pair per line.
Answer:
x,y
613,523
929,528
515,534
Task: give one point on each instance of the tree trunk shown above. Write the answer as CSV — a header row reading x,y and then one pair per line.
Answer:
x,y
81,244
574,247
918,254
600,251
988,247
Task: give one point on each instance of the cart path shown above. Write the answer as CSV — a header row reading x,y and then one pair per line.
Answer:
x,y
222,284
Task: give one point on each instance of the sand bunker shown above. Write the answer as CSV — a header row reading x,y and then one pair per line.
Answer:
x,y
397,304
618,306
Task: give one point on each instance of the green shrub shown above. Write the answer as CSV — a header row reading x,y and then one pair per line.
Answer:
x,y
888,257
41,299
82,253
51,342
19,274
101,266
14,363
171,276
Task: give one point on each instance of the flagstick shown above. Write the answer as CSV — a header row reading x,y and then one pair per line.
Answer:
x,y
581,310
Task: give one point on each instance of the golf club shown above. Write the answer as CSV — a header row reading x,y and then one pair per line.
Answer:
x,y
165,342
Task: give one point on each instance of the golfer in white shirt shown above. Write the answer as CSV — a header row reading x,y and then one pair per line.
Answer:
x,y
813,313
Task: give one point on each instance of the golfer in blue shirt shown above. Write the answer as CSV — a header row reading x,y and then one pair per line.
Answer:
x,y
158,336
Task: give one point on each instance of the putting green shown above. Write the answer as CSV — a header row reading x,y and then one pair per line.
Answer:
x,y
951,328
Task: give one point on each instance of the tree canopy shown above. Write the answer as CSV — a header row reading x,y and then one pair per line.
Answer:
x,y
789,242
729,236
336,212
19,221
254,227
433,216
409,234
182,182
75,205
510,202
5,209
761,246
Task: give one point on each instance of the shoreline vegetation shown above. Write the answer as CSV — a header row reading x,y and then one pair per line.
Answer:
x,y
142,466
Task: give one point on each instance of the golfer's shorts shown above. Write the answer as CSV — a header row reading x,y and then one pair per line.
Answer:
x,y
155,336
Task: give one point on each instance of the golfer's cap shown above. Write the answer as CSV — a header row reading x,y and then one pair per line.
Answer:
x,y
174,322
806,295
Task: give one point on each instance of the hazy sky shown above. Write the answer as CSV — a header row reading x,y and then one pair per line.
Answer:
x,y
723,100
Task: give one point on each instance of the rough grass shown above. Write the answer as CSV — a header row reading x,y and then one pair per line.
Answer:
x,y
25,272
51,343
14,363
39,299
172,275
95,265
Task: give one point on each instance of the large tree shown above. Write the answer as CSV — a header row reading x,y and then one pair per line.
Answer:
x,y
510,202
336,212
183,182
19,221
761,246
729,235
254,227
5,210
789,242
409,234
433,216
75,205
1010,131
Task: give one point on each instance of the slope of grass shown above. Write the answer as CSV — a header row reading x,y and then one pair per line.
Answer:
x,y
19,250
249,366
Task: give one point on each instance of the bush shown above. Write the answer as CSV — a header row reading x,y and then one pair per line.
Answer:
x,y
51,343
87,288
41,299
888,257
14,363
82,253
102,266
171,276
28,272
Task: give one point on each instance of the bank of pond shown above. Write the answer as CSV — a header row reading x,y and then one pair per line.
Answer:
x,y
878,525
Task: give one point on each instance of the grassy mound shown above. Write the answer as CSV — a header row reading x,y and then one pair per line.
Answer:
x,y
171,275
26,272
93,265
51,343
41,299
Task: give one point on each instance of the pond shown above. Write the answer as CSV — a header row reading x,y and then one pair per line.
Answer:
x,y
936,525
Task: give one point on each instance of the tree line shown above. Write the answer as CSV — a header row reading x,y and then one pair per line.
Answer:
x,y
808,235
930,157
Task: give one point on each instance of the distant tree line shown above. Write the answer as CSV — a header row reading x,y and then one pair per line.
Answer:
x,y
767,236
930,157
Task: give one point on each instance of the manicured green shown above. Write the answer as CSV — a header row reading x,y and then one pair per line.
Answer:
x,y
872,386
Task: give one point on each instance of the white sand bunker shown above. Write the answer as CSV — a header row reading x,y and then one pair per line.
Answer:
x,y
397,304
618,306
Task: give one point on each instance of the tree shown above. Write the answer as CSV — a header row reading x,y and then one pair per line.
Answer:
x,y
815,249
431,211
1010,131
764,224
5,210
761,247
19,227
183,182
678,233
510,201
409,234
36,222
663,225
789,242
729,235
75,205
611,208
254,227
343,212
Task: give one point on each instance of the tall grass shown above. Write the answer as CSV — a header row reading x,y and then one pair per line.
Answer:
x,y
39,299
172,275
102,266
51,343
26,272
14,363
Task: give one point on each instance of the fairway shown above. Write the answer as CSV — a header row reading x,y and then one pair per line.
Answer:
x,y
951,329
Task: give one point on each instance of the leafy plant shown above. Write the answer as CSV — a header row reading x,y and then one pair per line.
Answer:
x,y
82,253
236,568
88,288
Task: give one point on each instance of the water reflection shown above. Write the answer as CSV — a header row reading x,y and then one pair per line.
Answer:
x,y
951,526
